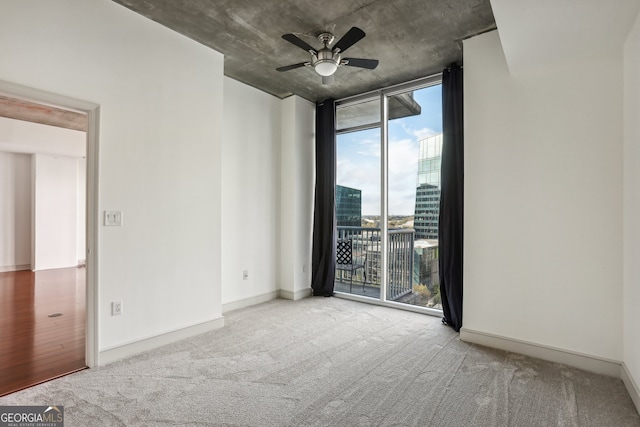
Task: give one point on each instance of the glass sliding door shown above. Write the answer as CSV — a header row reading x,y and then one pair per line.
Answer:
x,y
358,193
413,175
388,194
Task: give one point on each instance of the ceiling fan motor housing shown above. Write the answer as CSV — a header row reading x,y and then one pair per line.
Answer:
x,y
326,39
325,61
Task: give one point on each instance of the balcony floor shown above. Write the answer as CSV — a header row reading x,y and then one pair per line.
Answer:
x,y
374,292
367,291
356,289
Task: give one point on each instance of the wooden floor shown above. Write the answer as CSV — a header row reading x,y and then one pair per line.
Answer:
x,y
42,326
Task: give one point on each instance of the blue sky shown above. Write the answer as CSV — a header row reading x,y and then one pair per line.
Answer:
x,y
358,156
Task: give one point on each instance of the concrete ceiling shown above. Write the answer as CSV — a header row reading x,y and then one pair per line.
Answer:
x,y
410,38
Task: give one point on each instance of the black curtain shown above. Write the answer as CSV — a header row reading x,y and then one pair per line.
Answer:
x,y
324,222
451,197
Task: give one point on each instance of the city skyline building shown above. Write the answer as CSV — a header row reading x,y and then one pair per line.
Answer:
x,y
427,208
348,206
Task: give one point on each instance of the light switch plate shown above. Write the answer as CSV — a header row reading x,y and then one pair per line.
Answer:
x,y
113,218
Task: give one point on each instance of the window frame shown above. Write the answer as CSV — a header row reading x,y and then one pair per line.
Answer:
x,y
383,95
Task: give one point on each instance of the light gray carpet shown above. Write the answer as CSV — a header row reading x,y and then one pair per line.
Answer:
x,y
333,362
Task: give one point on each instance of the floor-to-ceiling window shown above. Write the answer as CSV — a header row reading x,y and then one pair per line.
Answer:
x,y
388,194
358,194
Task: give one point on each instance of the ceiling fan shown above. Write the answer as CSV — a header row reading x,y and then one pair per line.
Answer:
x,y
327,60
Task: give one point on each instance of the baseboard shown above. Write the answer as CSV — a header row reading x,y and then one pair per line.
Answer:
x,y
632,386
248,302
114,354
578,360
295,296
20,267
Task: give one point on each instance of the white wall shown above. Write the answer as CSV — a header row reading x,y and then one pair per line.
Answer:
x,y
297,186
250,194
631,355
543,201
160,97
546,32
55,212
268,190
15,211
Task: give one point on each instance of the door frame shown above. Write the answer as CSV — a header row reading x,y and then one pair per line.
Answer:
x,y
382,96
92,111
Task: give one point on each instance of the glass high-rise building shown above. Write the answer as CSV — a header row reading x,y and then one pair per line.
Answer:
x,y
427,209
348,206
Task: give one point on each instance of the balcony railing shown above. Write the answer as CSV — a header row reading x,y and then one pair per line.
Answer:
x,y
367,246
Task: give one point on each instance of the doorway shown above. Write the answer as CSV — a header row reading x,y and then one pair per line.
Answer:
x,y
52,309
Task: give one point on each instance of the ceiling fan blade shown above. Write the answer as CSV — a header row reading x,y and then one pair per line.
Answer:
x,y
354,35
327,80
291,38
292,67
369,64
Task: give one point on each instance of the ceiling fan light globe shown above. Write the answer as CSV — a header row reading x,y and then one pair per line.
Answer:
x,y
325,67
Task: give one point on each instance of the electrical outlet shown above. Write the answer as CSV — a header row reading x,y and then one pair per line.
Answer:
x,y
245,274
116,308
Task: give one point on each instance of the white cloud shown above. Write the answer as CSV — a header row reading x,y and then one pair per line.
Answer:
x,y
403,173
419,133
369,148
361,170
363,173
